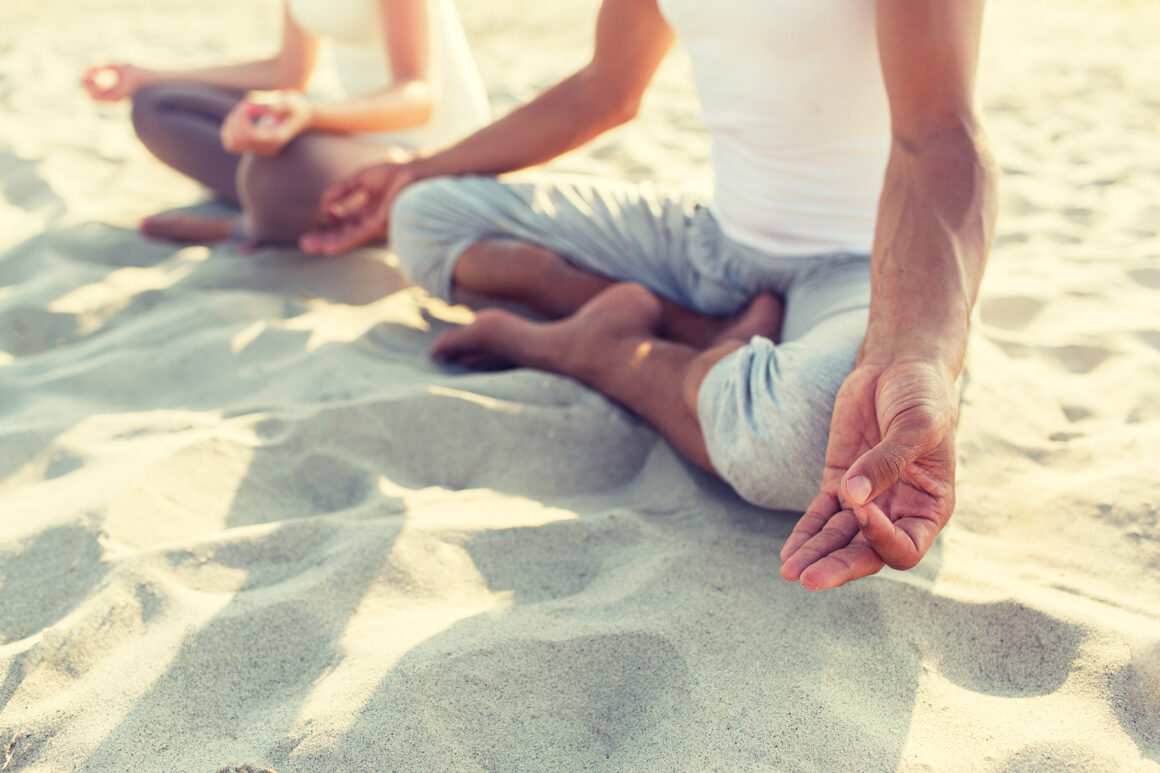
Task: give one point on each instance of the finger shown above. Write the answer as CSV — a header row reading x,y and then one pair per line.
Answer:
x,y
327,241
902,543
251,109
842,566
228,132
334,196
838,533
94,88
323,241
880,468
310,242
355,233
238,135
815,517
267,125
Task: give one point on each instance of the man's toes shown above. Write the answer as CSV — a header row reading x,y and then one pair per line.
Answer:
x,y
483,336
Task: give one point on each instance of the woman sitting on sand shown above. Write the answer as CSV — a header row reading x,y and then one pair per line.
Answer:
x,y
408,84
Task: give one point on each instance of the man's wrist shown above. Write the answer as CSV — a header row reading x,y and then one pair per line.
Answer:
x,y
422,168
944,354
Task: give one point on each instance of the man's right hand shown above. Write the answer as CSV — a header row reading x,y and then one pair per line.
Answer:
x,y
359,208
889,483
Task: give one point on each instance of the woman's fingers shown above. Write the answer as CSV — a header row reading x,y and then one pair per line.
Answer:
x,y
104,82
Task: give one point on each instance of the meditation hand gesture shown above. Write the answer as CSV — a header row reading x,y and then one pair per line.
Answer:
x,y
266,127
359,208
888,486
114,82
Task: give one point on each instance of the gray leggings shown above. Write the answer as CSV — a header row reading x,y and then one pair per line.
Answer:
x,y
180,124
764,409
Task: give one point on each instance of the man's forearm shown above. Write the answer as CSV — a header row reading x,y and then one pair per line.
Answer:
x,y
561,119
935,225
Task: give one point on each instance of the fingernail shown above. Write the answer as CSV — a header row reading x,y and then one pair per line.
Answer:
x,y
859,489
861,516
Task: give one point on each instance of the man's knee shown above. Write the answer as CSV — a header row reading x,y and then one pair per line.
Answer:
x,y
766,421
427,235
419,207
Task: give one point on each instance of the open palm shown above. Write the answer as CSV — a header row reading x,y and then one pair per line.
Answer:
x,y
888,486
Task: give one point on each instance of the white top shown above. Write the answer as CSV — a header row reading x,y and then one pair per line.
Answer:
x,y
354,29
793,99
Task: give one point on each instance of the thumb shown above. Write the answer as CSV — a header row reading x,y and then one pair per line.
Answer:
x,y
880,468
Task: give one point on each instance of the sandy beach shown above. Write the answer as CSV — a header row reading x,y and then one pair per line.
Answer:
x,y
246,523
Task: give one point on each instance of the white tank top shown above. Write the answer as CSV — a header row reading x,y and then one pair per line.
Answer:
x,y
792,96
354,29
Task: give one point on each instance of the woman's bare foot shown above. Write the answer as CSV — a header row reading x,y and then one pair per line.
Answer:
x,y
499,338
187,228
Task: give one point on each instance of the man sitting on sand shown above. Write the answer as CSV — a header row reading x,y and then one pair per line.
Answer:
x,y
806,327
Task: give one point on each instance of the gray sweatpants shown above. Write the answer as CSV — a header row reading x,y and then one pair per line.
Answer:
x,y
764,409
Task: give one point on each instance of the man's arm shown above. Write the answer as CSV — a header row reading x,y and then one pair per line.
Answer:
x,y
938,205
631,40
888,487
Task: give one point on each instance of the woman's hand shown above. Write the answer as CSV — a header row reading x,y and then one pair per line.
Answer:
x,y
114,82
266,127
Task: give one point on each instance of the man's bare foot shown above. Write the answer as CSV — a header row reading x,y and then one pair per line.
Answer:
x,y
184,227
502,338
762,317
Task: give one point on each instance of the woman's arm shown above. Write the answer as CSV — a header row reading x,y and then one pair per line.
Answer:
x,y
290,68
410,98
631,40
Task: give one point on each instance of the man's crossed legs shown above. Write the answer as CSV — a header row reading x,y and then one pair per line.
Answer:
x,y
650,304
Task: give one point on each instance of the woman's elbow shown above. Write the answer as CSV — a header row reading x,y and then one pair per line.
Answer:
x,y
419,96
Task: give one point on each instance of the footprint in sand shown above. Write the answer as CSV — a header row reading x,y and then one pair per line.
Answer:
x,y
46,578
1149,277
1076,413
1003,648
281,485
1078,358
25,331
1074,358
542,563
1056,756
21,184
589,694
1150,337
462,438
1010,312
1139,713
